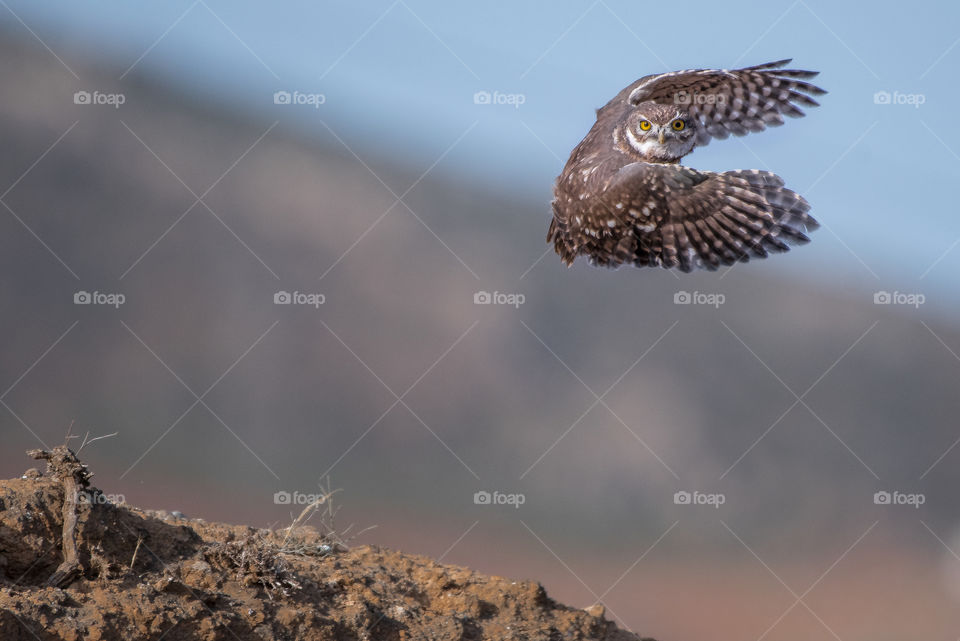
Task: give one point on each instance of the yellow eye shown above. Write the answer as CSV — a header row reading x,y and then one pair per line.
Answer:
x,y
645,125
678,125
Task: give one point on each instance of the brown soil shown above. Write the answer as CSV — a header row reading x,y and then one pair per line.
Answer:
x,y
140,574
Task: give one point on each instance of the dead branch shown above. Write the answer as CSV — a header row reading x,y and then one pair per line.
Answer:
x,y
62,463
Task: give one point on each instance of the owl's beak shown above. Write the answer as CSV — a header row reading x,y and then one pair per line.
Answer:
x,y
663,135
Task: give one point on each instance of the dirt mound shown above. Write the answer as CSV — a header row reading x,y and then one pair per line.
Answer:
x,y
116,572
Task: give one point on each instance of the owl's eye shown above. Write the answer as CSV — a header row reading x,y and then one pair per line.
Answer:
x,y
678,125
645,125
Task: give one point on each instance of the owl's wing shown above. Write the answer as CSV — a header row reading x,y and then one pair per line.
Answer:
x,y
732,102
684,218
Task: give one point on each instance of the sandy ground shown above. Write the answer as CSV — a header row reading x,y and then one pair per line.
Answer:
x,y
116,572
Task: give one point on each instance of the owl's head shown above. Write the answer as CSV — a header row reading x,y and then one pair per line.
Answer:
x,y
660,133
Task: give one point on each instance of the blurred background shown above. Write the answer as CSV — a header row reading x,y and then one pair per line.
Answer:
x,y
249,238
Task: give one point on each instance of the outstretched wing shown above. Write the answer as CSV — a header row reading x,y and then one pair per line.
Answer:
x,y
675,216
732,102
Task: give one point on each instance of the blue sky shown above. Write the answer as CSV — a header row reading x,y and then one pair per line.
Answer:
x,y
399,78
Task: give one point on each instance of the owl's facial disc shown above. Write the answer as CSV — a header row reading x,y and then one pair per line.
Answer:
x,y
660,136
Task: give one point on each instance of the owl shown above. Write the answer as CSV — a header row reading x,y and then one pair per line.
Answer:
x,y
623,198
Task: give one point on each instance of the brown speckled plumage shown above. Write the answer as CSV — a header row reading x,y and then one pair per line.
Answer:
x,y
622,197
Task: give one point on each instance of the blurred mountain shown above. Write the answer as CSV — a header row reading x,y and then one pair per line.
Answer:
x,y
411,396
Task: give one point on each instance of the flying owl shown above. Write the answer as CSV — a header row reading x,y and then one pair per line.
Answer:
x,y
623,197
